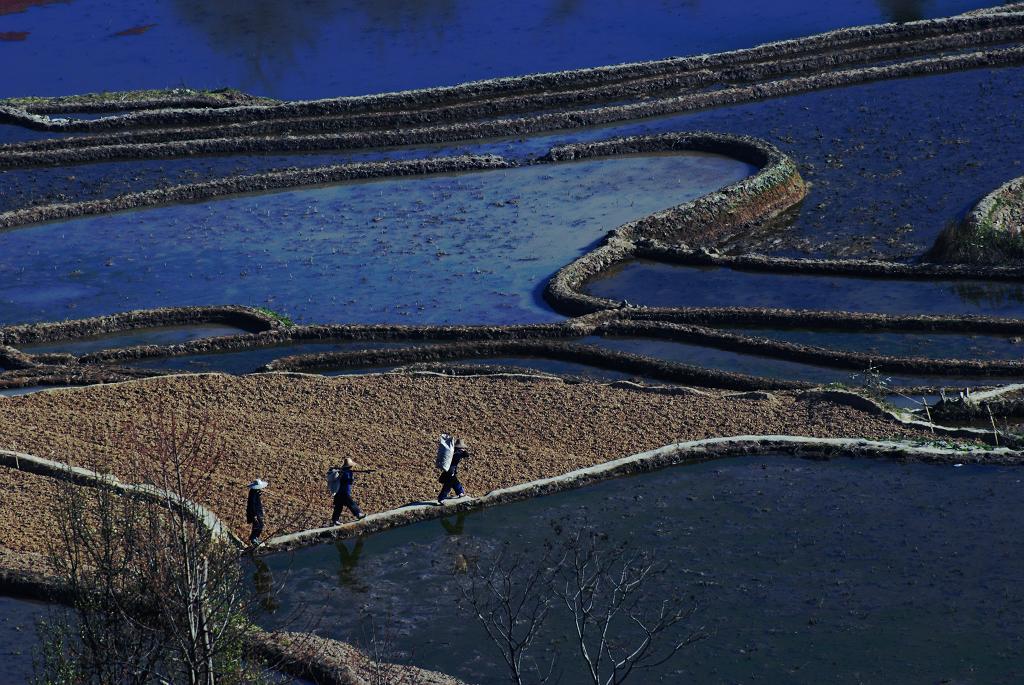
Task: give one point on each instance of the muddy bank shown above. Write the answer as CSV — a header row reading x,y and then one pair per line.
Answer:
x,y
992,234
385,346
330,662
819,47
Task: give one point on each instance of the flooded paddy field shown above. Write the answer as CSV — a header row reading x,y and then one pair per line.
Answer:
x,y
871,153
770,367
761,366
140,336
454,248
801,571
18,637
937,345
657,284
250,361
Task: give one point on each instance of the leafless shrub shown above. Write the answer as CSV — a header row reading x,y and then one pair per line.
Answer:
x,y
158,592
511,597
603,589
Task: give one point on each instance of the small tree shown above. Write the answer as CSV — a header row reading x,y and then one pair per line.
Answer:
x,y
603,589
158,591
510,598
617,630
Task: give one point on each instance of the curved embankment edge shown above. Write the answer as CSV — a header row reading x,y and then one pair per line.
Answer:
x,y
331,666
87,477
529,125
665,236
253,183
1004,401
992,233
670,455
876,43
329,663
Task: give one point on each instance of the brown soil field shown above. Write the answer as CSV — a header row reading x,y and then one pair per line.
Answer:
x,y
25,518
289,429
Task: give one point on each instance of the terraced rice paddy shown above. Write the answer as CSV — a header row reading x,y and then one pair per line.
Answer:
x,y
765,221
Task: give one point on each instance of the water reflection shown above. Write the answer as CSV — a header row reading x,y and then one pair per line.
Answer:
x,y
433,15
265,34
263,582
269,35
348,560
990,295
456,528
902,11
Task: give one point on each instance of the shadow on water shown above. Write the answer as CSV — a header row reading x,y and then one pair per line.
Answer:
x,y
902,11
906,572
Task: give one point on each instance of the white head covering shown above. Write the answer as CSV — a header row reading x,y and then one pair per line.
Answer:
x,y
258,484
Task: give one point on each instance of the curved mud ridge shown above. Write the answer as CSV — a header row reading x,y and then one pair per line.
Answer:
x,y
93,479
992,233
455,113
685,234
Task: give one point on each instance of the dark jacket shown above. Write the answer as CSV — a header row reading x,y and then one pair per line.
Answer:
x,y
452,474
254,506
347,478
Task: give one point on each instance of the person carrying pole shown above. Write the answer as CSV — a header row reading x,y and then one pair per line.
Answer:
x,y
339,481
449,477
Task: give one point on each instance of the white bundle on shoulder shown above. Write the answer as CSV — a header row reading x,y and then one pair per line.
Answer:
x,y
445,451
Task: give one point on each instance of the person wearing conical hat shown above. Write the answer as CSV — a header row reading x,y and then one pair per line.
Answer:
x,y
254,510
343,496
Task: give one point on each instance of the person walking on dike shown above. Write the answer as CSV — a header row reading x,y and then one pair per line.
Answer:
x,y
254,510
339,481
449,477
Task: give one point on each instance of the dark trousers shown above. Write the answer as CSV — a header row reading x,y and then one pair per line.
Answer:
x,y
257,530
451,483
341,500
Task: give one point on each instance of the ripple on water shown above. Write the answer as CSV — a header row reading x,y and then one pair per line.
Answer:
x,y
455,248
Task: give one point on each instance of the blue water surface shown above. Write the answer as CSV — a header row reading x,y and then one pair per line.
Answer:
x,y
323,48
453,248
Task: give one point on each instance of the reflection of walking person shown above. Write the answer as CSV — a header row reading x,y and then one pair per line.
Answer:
x,y
263,582
340,482
449,479
456,528
347,562
254,510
